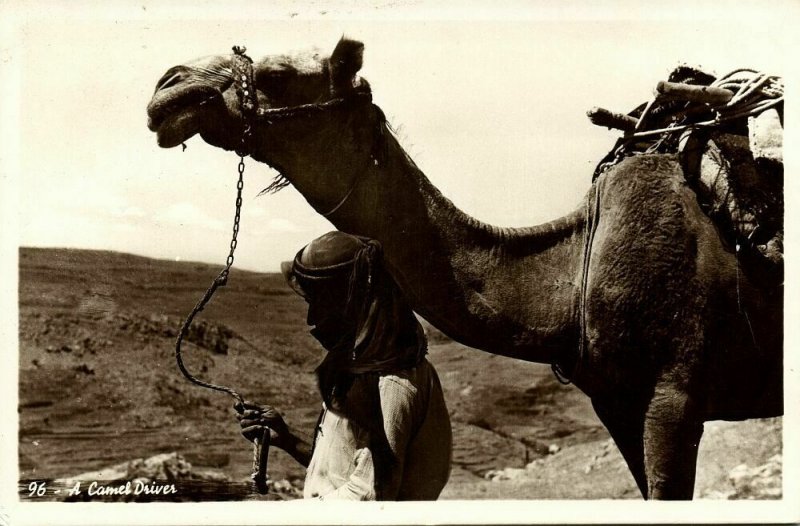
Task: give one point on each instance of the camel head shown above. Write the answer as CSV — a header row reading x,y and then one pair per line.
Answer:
x,y
200,96
311,116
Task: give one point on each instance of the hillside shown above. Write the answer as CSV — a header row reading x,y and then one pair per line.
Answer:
x,y
99,386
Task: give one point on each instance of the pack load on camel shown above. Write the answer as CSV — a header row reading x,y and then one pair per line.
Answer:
x,y
728,133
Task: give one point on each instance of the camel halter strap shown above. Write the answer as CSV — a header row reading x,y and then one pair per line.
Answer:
x,y
222,279
592,219
245,88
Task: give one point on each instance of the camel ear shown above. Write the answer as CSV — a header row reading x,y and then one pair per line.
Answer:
x,y
346,60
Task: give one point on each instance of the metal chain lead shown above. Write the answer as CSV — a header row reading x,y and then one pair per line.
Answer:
x,y
246,93
220,281
237,214
244,81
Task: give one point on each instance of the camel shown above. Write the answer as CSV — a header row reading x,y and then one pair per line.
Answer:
x,y
634,295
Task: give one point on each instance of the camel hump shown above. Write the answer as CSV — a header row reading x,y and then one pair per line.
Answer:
x,y
728,132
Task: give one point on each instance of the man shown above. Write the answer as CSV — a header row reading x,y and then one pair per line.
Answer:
x,y
384,431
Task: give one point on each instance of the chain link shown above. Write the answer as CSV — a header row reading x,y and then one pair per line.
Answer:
x,y
237,214
242,153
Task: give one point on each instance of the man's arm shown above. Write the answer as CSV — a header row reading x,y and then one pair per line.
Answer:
x,y
398,408
298,447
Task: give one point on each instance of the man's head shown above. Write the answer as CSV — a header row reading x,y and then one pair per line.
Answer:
x,y
357,310
334,274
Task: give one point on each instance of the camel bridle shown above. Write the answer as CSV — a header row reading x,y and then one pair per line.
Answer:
x,y
244,84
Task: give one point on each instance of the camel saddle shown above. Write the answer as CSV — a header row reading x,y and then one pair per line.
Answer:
x,y
735,168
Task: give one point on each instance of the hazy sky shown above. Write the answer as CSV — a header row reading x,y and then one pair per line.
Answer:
x,y
489,102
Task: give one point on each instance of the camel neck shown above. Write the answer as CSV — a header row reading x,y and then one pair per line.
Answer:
x,y
460,274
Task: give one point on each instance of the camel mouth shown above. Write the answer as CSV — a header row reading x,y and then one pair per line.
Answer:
x,y
171,107
178,128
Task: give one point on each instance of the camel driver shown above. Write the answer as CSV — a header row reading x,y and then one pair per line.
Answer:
x,y
384,430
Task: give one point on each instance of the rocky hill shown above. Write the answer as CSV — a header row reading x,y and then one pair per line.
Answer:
x,y
98,387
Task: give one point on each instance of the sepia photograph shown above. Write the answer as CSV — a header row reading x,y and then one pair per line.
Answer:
x,y
398,262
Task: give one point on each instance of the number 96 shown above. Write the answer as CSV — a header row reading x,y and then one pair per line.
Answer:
x,y
37,489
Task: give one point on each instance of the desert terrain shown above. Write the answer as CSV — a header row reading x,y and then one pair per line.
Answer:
x,y
98,386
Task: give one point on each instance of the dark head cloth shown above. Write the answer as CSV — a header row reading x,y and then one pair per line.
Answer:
x,y
331,257
387,335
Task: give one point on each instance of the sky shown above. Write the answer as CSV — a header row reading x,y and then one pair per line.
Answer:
x,y
490,103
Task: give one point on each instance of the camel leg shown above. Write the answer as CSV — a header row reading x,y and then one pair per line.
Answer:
x,y
672,432
625,424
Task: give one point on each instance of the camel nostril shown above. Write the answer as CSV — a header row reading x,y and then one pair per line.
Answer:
x,y
171,78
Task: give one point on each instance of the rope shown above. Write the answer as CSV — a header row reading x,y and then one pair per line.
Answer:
x,y
753,93
260,444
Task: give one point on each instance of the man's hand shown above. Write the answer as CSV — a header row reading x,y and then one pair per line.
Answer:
x,y
361,484
253,418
